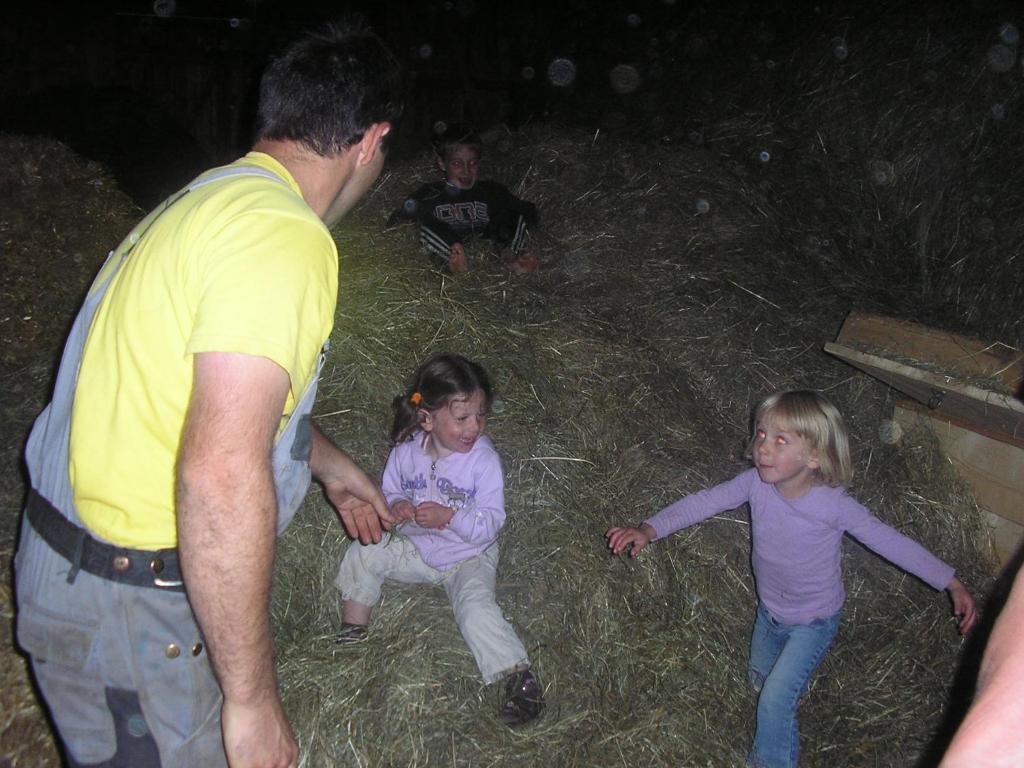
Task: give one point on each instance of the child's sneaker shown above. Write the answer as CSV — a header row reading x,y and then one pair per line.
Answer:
x,y
524,699
351,634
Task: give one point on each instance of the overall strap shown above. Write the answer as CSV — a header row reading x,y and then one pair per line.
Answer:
x,y
47,450
119,255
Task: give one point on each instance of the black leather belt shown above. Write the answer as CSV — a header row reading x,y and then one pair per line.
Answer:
x,y
157,568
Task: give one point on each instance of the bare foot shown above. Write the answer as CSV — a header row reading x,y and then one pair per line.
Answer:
x,y
525,264
457,263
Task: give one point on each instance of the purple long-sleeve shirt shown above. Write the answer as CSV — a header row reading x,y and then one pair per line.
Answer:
x,y
797,543
470,483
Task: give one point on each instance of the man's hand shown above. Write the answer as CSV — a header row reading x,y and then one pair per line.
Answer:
x,y
258,736
362,519
357,499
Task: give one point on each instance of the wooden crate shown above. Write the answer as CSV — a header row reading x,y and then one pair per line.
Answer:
x,y
967,392
994,469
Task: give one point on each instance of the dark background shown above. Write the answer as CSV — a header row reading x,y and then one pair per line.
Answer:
x,y
159,90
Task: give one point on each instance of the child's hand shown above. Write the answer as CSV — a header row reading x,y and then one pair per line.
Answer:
x,y
430,514
403,510
634,538
963,605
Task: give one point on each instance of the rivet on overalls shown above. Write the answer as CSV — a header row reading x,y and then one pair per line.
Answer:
x,y
197,649
172,651
121,563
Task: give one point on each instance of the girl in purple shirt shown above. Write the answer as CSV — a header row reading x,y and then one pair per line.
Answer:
x,y
799,511
444,484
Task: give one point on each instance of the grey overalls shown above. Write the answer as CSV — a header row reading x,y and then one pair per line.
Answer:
x,y
122,665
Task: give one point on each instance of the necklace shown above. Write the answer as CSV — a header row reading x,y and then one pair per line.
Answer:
x,y
433,461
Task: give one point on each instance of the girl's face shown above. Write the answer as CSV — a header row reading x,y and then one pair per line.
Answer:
x,y
462,167
456,427
784,459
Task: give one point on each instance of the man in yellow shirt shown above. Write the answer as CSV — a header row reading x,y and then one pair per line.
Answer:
x,y
178,441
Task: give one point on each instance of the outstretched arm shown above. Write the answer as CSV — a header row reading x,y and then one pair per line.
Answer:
x,y
227,522
357,499
964,608
635,538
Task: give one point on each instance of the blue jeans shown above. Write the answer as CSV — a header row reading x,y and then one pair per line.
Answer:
x,y
783,657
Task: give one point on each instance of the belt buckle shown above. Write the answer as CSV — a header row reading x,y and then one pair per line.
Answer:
x,y
156,565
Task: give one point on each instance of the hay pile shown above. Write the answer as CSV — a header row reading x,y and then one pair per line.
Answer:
x,y
682,281
888,132
59,215
626,370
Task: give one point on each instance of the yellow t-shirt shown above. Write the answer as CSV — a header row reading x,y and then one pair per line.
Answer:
x,y
240,265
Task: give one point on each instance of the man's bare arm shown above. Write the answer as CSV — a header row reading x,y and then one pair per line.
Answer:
x,y
227,518
358,500
990,735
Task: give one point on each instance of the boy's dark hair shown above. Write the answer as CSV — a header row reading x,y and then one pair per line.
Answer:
x,y
456,135
436,383
328,87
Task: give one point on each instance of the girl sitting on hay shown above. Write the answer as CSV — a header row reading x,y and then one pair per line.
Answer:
x,y
799,511
443,481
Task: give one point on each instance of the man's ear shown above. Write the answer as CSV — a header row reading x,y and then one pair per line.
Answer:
x,y
369,145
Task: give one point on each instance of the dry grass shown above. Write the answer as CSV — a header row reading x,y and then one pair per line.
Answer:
x,y
626,369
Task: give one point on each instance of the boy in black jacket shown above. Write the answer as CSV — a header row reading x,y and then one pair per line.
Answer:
x,y
460,206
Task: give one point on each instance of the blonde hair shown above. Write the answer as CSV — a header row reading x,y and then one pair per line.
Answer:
x,y
816,420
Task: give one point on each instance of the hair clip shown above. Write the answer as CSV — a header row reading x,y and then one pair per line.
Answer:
x,y
415,398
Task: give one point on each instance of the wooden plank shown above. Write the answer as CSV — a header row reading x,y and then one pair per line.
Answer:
x,y
1000,414
968,357
945,418
993,469
1004,537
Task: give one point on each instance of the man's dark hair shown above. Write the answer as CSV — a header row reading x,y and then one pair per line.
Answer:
x,y
327,88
